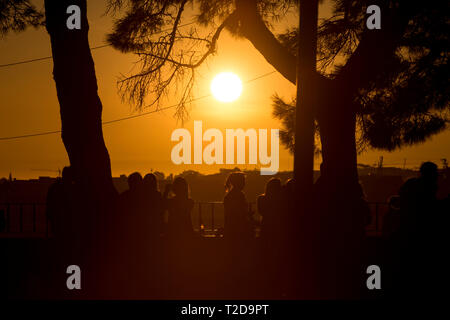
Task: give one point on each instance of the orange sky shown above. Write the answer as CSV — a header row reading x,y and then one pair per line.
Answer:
x,y
29,105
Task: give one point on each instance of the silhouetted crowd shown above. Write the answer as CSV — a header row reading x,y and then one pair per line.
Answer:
x,y
144,207
153,233
415,237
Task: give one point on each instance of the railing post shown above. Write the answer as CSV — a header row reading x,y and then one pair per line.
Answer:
x,y
212,217
250,216
46,223
21,217
376,217
34,217
200,218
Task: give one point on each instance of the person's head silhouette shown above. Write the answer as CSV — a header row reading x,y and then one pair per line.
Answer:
x,y
429,171
150,182
290,185
180,187
273,187
235,181
134,180
394,202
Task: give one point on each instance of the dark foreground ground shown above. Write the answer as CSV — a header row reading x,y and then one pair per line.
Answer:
x,y
204,269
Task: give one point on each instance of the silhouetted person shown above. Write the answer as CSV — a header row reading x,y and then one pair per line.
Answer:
x,y
238,232
141,244
289,187
130,221
150,183
418,202
154,205
421,235
130,198
270,205
179,208
132,207
237,220
287,210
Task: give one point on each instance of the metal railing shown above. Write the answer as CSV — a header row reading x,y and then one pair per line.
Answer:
x,y
30,220
215,211
377,210
26,219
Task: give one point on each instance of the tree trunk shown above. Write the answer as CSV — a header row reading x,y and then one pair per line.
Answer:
x,y
81,111
80,105
337,127
306,264
339,206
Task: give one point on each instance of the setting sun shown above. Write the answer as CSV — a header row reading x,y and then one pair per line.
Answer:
x,y
226,87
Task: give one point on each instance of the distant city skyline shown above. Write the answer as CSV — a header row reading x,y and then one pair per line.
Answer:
x,y
55,173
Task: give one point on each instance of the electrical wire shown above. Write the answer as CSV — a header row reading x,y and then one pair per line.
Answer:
x,y
125,118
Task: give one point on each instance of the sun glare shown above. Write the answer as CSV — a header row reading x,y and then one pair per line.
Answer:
x,y
226,87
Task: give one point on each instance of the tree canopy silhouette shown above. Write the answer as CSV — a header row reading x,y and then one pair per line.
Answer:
x,y
408,100
168,58
16,15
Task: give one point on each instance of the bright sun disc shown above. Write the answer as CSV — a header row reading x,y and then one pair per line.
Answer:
x,y
226,87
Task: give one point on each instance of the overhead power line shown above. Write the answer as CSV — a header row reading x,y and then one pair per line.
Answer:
x,y
125,118
93,48
26,61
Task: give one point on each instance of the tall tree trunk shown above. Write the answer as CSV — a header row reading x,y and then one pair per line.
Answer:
x,y
81,111
80,105
330,231
337,127
304,148
339,202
